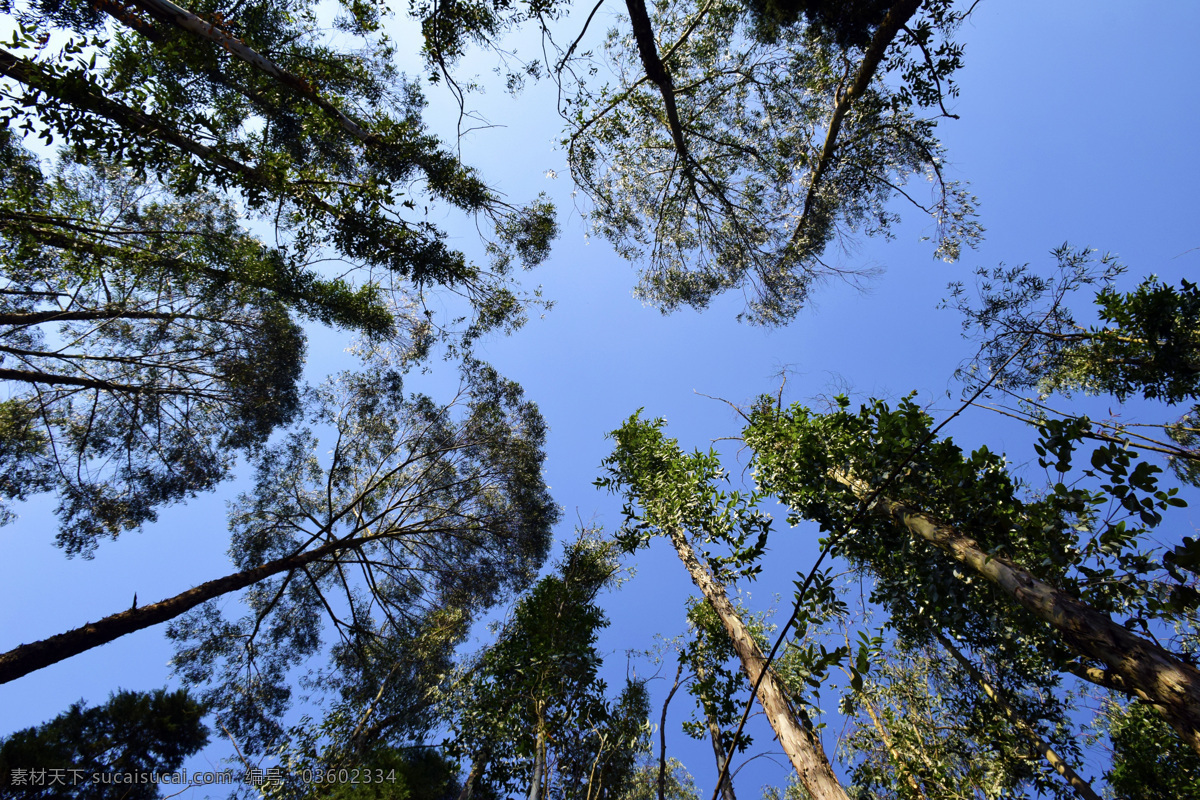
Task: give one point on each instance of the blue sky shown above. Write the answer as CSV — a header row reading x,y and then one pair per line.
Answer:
x,y
1075,126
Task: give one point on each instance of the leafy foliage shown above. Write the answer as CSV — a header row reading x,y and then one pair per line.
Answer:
x,y
922,728
327,141
145,351
146,334
781,157
134,732
643,785
436,512
1070,537
677,489
1145,345
1148,759
532,707
845,24
716,687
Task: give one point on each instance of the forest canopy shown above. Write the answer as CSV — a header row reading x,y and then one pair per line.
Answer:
x,y
265,255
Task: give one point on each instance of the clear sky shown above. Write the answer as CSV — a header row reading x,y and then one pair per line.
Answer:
x,y
1075,123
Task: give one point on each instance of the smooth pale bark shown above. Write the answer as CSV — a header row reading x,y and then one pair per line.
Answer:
x,y
34,656
803,748
539,764
1150,671
1106,679
1081,787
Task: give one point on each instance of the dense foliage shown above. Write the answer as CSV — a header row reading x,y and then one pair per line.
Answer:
x,y
184,190
78,753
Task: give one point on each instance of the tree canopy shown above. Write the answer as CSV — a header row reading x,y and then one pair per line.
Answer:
x,y
196,200
147,334
134,733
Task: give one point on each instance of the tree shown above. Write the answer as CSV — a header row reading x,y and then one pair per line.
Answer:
x,y
910,741
145,333
735,144
133,734
738,139
1147,759
1024,728
678,783
677,500
146,340
928,723
946,538
424,515
531,712
714,687
248,98
1145,345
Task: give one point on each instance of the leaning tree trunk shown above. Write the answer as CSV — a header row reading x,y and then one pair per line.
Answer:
x,y
869,705
477,766
27,658
1171,685
1081,787
803,748
714,733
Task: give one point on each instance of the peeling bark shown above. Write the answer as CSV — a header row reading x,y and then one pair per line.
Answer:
x,y
1147,670
803,748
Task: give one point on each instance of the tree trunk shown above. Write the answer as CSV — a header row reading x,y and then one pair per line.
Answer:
x,y
897,16
1148,670
888,745
803,748
30,657
539,765
476,770
714,732
170,13
1081,787
662,736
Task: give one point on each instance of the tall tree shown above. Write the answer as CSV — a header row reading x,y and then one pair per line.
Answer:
x,y
677,783
715,687
531,712
1147,759
737,139
736,143
422,515
145,340
678,499
129,737
947,538
145,333
1144,344
926,728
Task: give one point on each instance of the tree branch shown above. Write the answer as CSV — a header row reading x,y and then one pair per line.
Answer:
x,y
896,18
34,656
